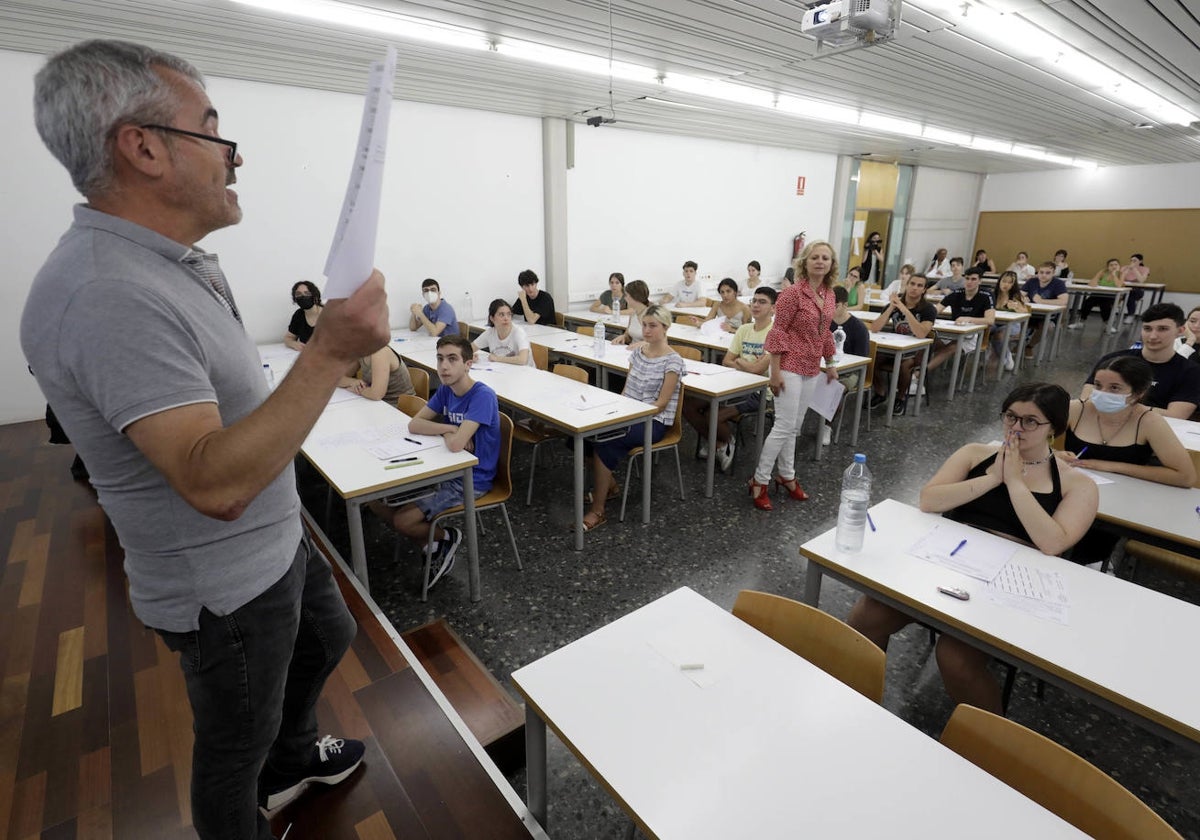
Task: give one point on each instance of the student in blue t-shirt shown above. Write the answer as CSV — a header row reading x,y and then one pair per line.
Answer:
x,y
467,415
436,316
1044,287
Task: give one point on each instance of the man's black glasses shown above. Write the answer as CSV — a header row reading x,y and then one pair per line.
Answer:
x,y
232,145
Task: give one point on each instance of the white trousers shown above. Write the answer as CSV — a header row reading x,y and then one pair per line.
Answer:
x,y
779,449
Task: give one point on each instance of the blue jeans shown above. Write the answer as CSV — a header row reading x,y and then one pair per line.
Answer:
x,y
253,678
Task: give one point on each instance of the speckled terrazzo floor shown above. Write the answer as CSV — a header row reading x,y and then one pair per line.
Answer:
x,y
721,545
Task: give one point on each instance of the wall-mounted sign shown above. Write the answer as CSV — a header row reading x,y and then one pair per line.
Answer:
x,y
800,181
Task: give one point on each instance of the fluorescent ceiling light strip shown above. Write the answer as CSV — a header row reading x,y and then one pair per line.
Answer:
x,y
892,125
811,109
377,21
582,62
941,135
716,89
986,144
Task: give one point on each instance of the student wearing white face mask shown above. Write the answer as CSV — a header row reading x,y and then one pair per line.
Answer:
x,y
1111,431
436,316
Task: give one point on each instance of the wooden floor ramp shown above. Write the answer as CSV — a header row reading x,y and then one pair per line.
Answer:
x,y
495,719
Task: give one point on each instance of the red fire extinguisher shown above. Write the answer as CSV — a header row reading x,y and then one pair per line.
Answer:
x,y
798,244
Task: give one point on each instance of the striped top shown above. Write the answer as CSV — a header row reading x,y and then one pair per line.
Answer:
x,y
646,377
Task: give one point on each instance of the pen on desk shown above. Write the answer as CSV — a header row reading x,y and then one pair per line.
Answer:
x,y
870,521
958,548
401,460
402,466
1082,452
410,440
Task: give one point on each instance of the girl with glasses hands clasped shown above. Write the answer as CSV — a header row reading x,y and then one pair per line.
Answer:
x,y
1015,489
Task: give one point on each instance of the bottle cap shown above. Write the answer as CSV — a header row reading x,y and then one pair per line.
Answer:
x,y
860,458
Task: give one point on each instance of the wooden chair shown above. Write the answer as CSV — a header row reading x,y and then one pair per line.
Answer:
x,y
536,435
687,351
495,498
588,331
560,321
420,381
1053,776
833,646
410,404
541,356
670,440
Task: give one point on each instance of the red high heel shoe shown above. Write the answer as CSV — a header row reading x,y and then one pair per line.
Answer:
x,y
793,488
762,499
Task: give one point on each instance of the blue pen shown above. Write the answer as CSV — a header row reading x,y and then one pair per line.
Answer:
x,y
1082,452
958,548
871,521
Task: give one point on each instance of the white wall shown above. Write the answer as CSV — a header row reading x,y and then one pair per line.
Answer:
x,y
942,214
642,203
462,203
1155,187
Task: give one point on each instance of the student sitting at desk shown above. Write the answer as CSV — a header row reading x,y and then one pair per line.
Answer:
x,y
502,341
1185,345
984,263
1023,268
753,272
1009,298
1112,431
381,376
534,306
1135,272
746,354
1015,489
1043,288
907,314
856,290
655,374
436,317
639,298
939,265
728,307
969,306
614,299
1109,276
687,291
466,414
1175,391
897,286
954,281
307,298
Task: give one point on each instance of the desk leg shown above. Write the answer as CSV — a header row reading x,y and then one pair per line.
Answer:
x,y
862,387
535,765
647,459
714,405
1022,339
954,366
921,379
1058,331
358,551
977,357
893,385
472,533
579,492
1114,317
812,585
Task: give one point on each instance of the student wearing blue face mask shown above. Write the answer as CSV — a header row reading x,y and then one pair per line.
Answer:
x,y
1111,431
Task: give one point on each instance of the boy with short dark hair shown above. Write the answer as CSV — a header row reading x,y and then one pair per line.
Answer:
x,y
536,307
687,291
436,316
466,414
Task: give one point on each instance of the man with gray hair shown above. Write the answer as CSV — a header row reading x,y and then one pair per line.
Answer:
x,y
137,342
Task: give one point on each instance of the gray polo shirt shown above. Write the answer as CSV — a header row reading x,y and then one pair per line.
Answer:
x,y
117,328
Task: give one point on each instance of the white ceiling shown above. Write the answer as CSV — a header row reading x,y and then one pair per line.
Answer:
x,y
930,73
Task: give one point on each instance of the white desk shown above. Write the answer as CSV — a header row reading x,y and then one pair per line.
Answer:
x,y
1079,291
1120,649
958,333
550,398
1008,318
898,346
765,746
1146,508
1045,312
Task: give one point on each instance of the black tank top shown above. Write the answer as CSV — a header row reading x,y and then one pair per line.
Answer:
x,y
993,511
1133,453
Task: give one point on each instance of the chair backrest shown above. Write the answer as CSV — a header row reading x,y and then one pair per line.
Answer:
x,y
560,321
833,646
588,331
870,375
1053,776
420,381
571,372
541,356
502,483
687,352
410,404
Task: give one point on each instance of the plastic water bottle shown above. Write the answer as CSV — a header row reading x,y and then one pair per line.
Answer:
x,y
269,375
468,308
599,338
839,341
852,512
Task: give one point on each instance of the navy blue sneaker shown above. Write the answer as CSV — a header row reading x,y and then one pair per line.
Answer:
x,y
334,759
